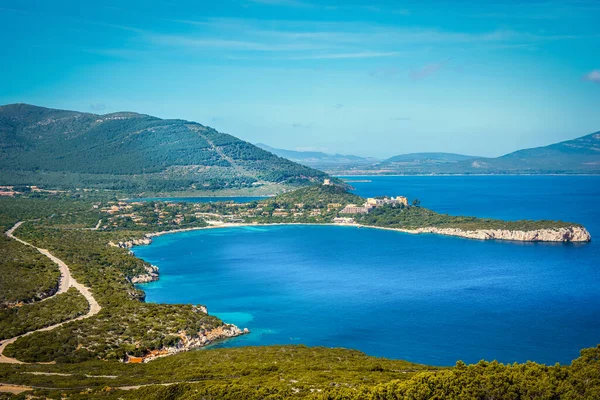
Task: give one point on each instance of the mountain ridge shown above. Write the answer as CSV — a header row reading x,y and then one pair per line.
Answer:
x,y
132,151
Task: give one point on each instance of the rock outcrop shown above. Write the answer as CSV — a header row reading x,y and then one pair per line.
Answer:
x,y
190,342
127,244
565,234
150,275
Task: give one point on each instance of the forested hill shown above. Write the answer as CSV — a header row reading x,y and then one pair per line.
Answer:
x,y
580,155
130,151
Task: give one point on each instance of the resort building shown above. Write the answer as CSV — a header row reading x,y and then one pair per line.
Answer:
x,y
343,220
327,182
374,202
354,209
400,200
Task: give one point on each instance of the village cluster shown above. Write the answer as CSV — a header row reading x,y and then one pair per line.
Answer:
x,y
178,214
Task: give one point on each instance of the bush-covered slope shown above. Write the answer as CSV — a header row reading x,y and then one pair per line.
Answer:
x,y
25,274
298,372
40,146
19,320
317,196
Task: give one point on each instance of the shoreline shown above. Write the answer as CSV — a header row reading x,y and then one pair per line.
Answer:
x,y
479,234
442,175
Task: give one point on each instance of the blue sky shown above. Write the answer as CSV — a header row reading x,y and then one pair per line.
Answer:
x,y
373,78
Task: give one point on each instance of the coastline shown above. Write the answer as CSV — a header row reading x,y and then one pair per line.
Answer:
x,y
203,339
558,235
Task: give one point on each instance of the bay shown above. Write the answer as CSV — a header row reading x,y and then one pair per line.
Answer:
x,y
424,298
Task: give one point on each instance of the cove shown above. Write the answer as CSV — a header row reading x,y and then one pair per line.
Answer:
x,y
424,298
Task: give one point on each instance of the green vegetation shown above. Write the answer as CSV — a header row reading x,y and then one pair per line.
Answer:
x,y
317,196
132,328
281,372
26,275
490,380
126,325
132,152
418,217
18,320
38,205
312,204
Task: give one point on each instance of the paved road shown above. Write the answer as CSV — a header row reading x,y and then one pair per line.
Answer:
x,y
66,281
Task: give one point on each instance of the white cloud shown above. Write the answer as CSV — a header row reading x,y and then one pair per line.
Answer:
x,y
593,76
362,54
314,40
427,70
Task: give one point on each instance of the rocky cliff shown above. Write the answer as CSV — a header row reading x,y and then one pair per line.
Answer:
x,y
127,244
193,341
150,275
568,234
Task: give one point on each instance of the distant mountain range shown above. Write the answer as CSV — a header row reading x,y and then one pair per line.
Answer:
x,y
135,152
130,151
428,158
577,156
318,158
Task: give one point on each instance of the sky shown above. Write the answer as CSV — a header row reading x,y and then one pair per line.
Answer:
x,y
372,78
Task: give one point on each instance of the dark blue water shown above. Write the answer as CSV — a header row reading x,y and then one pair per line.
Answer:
x,y
199,199
425,298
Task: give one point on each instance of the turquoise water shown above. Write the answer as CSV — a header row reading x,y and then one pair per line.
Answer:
x,y
423,298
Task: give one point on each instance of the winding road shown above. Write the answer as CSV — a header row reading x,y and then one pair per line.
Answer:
x,y
66,281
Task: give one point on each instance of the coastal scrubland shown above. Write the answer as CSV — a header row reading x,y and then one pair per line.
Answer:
x,y
15,321
89,353
282,372
126,326
419,217
26,274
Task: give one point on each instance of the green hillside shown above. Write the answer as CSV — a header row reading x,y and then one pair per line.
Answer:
x,y
318,196
581,155
129,151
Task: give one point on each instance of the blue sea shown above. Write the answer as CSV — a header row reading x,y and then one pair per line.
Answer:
x,y
423,298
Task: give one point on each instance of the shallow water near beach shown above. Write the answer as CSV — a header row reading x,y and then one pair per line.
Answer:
x,y
424,298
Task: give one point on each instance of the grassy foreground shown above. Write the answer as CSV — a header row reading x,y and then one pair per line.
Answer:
x,y
281,372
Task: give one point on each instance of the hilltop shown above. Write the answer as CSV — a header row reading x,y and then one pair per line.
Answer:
x,y
576,156
580,155
133,152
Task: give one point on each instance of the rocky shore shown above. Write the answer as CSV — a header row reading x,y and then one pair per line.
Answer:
x,y
567,234
127,244
151,275
189,342
564,234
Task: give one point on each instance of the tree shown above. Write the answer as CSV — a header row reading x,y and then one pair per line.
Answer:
x,y
416,202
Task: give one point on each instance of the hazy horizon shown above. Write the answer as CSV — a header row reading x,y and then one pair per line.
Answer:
x,y
370,78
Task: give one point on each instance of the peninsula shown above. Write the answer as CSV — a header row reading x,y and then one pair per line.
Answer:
x,y
329,203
